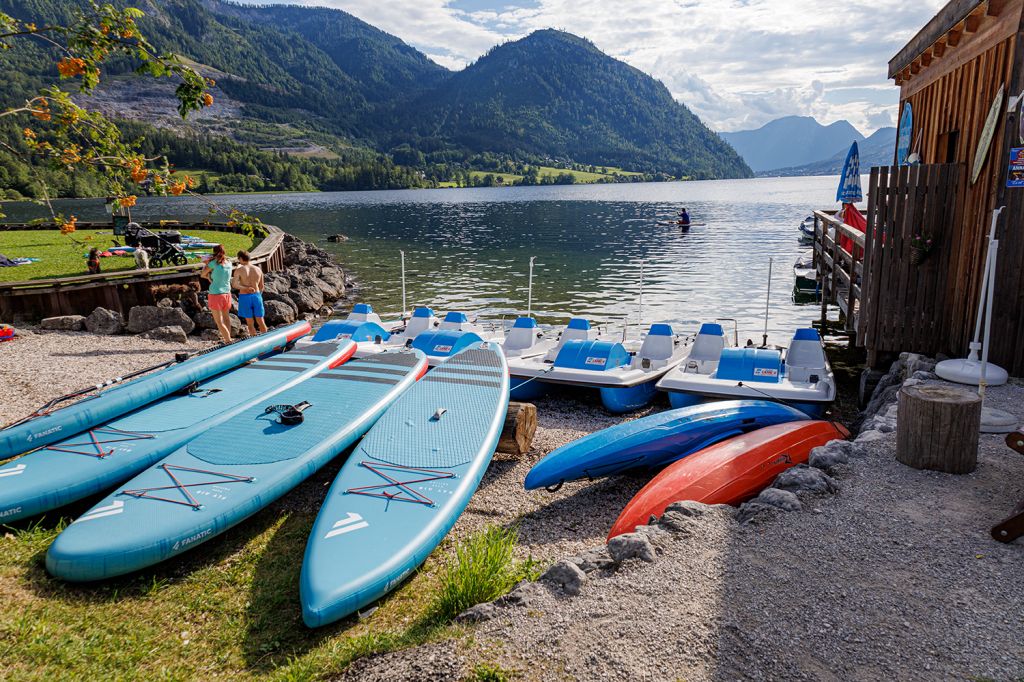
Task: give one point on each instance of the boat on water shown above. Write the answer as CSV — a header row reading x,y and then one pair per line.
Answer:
x,y
807,230
805,276
623,372
437,339
799,375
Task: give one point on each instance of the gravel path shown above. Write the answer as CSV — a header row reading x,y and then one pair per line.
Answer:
x,y
895,577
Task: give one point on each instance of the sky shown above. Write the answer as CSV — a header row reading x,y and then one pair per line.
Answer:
x,y
735,63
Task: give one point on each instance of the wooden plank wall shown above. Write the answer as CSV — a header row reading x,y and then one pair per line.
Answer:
x,y
904,307
960,101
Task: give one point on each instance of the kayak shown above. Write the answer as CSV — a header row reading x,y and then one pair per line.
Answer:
x,y
106,455
405,485
729,472
654,441
115,398
233,470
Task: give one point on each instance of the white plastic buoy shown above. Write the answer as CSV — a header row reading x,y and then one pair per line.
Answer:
x,y
997,421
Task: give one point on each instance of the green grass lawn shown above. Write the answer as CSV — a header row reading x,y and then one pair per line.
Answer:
x,y
228,609
508,178
64,256
583,176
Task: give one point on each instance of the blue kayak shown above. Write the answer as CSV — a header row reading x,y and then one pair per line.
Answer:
x,y
405,485
116,400
654,441
233,470
106,455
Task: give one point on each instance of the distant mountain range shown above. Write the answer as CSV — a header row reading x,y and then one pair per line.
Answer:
x,y
799,145
316,82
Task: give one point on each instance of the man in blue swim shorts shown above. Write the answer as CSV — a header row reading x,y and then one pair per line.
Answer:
x,y
248,279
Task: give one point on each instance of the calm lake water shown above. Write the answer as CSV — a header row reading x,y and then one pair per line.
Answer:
x,y
469,249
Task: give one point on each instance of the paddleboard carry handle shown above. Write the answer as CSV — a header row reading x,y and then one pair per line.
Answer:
x,y
289,415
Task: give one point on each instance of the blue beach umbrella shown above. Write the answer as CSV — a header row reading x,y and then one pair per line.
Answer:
x,y
849,191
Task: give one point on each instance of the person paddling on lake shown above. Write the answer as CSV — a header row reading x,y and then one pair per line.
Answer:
x,y
684,218
218,271
248,279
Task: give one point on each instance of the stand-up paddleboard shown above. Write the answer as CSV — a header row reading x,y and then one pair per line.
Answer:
x,y
106,455
119,398
233,470
405,485
729,472
654,441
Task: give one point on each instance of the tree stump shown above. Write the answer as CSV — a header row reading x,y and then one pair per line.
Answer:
x,y
520,426
937,428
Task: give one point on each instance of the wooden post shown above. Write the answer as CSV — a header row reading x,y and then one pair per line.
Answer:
x,y
937,428
520,426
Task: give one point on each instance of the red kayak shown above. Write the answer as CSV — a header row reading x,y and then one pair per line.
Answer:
x,y
729,472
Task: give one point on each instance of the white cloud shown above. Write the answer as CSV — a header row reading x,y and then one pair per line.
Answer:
x,y
736,63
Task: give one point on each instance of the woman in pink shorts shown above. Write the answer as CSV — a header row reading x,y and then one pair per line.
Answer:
x,y
218,271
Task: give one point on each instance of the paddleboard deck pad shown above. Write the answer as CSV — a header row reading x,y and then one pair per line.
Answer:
x,y
654,441
120,398
233,470
104,456
405,485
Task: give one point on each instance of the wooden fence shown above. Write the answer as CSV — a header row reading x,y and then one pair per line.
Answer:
x,y
840,272
120,291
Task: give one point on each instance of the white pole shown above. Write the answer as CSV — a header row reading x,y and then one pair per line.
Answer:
x,y
640,303
529,290
767,303
404,308
993,250
985,284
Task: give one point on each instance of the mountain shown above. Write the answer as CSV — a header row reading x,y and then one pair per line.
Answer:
x,y
555,94
791,141
320,83
876,150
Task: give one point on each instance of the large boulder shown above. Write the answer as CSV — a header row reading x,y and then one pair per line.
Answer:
x,y
308,299
170,333
630,546
805,479
334,276
143,318
205,320
565,576
64,323
103,321
276,283
278,312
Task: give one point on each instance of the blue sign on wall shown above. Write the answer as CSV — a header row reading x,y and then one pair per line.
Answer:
x,y
906,132
1015,177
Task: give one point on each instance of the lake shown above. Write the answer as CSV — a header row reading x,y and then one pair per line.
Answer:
x,y
469,249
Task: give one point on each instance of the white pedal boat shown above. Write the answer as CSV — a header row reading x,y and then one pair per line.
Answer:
x,y
799,376
624,373
438,339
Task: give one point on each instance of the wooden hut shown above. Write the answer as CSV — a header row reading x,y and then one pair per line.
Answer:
x,y
966,62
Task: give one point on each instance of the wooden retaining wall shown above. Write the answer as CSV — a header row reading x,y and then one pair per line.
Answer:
x,y
120,291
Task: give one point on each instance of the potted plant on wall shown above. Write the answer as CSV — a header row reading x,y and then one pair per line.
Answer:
x,y
920,246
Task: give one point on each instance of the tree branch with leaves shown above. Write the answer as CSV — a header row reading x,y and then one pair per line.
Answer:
x,y
64,134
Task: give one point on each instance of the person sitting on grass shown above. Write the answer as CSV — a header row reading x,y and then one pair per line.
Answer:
x,y
248,279
218,271
93,261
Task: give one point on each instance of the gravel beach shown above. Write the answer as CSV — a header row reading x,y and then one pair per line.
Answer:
x,y
893,577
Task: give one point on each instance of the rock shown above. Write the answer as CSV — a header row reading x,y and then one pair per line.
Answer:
x,y
565,576
914,363
276,283
869,436
329,291
805,479
593,559
165,303
205,321
630,546
334,276
64,323
525,594
781,499
676,522
688,508
478,613
209,335
278,312
143,318
170,333
755,512
103,321
307,299
825,458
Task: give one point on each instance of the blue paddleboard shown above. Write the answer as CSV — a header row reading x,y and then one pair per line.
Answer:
x,y
100,458
654,441
231,471
405,485
118,399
